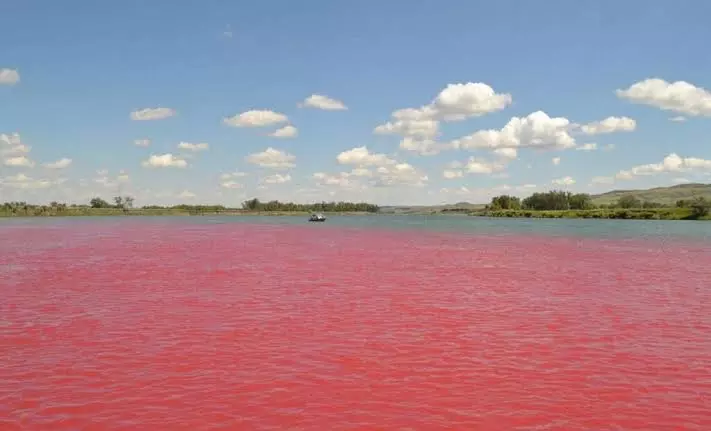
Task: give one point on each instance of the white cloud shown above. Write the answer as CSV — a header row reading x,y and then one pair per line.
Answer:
x,y
22,181
104,179
565,181
256,118
202,146
409,128
451,174
342,180
679,96
323,102
149,114
506,153
423,147
230,175
537,130
556,161
11,145
59,164
480,166
287,131
681,180
475,166
399,174
276,179
362,157
671,163
186,194
456,102
142,142
9,76
164,161
588,147
272,158
386,171
19,162
609,125
678,119
230,185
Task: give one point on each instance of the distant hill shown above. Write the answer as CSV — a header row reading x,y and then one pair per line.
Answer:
x,y
430,209
662,195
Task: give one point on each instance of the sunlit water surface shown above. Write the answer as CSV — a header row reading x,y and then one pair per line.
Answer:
x,y
168,324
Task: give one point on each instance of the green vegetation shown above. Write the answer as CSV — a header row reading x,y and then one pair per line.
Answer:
x,y
124,205
560,204
667,196
339,207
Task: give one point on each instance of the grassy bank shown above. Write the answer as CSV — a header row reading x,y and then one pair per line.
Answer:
x,y
109,212
616,213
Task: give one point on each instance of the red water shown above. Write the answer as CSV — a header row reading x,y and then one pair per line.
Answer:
x,y
178,327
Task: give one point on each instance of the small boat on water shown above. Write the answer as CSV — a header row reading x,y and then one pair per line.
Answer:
x,y
317,217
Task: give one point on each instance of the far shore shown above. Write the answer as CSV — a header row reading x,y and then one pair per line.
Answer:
x,y
619,214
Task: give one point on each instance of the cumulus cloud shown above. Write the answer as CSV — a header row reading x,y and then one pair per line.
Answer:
x,y
256,118
679,96
287,131
19,162
22,181
230,185
456,102
423,147
678,119
276,179
164,161
609,125
362,157
149,114
556,161
381,170
537,130
272,158
671,163
142,142
59,164
588,147
565,181
478,165
104,179
186,194
202,146
14,151
9,76
230,175
506,153
325,103
399,174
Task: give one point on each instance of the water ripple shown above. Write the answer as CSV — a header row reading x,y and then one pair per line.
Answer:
x,y
127,326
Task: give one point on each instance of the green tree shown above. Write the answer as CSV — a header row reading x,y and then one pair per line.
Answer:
x,y
505,202
580,201
629,201
700,207
99,203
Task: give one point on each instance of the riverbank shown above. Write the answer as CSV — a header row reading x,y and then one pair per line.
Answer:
x,y
613,213
115,212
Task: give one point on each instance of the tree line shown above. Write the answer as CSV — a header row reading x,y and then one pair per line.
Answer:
x,y
558,200
126,203
257,205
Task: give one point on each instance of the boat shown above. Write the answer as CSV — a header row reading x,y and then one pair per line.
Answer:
x,y
317,217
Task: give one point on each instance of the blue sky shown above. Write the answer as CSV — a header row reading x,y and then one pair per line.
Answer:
x,y
71,74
